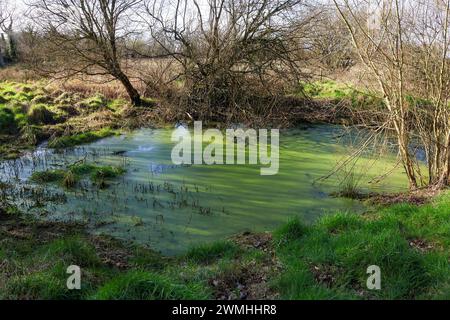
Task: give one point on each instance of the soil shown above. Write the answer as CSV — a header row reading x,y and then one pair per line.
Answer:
x,y
250,280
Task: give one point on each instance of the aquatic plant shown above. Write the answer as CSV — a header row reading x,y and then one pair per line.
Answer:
x,y
47,176
70,177
70,180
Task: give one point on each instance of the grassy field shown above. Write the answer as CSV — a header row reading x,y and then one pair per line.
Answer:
x,y
37,111
327,260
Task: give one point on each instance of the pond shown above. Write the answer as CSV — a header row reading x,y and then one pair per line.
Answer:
x,y
172,208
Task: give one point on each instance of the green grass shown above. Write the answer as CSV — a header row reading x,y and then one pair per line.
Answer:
x,y
212,252
79,139
72,175
339,92
326,260
37,104
341,247
142,285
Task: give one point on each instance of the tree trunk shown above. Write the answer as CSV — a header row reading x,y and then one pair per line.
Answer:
x,y
12,46
134,95
408,165
2,61
403,145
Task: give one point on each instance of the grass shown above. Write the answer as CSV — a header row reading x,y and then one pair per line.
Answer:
x,y
326,260
212,252
70,177
329,259
50,111
340,92
142,285
82,138
39,114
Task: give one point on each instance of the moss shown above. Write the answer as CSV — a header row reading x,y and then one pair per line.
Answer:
x,y
79,139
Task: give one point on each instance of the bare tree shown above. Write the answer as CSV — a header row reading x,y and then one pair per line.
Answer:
x,y
396,48
223,44
330,43
86,37
430,78
5,15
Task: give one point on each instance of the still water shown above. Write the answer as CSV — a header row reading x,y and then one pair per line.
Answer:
x,y
172,208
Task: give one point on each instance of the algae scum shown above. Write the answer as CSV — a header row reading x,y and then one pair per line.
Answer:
x,y
172,208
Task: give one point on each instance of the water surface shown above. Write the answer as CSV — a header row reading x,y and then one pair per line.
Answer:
x,y
172,208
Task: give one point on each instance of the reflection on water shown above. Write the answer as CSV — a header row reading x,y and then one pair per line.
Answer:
x,y
173,207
